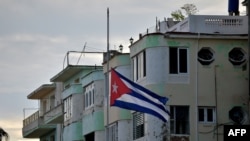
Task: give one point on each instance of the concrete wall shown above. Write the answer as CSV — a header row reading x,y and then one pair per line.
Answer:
x,y
222,85
93,116
124,130
220,80
73,132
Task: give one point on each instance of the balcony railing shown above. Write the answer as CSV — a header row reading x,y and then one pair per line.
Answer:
x,y
55,115
210,24
31,119
213,24
34,126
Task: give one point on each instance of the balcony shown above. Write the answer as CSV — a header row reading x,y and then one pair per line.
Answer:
x,y
55,115
34,126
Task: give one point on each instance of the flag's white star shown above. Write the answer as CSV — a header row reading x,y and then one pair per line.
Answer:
x,y
115,87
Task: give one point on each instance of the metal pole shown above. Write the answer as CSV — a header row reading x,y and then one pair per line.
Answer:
x,y
107,79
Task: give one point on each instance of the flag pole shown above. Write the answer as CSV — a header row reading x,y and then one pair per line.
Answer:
x,y
107,79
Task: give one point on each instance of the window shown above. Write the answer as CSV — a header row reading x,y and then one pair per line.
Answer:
x,y
138,125
179,119
93,96
178,60
206,114
206,56
113,132
237,56
67,108
89,96
139,66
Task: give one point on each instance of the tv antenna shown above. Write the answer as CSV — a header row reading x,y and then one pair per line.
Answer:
x,y
81,53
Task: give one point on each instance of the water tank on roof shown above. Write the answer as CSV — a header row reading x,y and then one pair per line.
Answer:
x,y
233,7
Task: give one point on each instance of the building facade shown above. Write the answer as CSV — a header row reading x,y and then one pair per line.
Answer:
x,y
201,64
45,123
194,64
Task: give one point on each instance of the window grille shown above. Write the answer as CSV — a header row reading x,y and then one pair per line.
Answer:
x,y
138,125
113,132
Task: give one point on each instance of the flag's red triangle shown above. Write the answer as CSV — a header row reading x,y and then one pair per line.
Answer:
x,y
117,87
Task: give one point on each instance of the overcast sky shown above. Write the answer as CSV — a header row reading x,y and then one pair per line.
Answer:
x,y
35,36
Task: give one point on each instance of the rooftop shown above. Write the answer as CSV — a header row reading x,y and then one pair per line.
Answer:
x,y
41,91
207,24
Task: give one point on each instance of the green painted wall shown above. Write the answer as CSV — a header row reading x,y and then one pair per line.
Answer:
x,y
93,122
73,132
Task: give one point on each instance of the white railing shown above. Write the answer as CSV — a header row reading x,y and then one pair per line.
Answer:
x,y
213,24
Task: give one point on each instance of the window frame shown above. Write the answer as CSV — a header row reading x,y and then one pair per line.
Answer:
x,y
68,108
89,96
174,121
206,56
139,66
205,114
233,56
175,60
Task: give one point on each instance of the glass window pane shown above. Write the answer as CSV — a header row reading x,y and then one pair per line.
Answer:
x,y
183,60
135,68
173,60
201,114
87,103
90,98
182,120
93,96
210,115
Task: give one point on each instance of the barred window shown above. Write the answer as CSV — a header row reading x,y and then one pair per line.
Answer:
x,y
138,125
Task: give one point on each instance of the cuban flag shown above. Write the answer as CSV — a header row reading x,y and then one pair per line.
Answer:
x,y
129,95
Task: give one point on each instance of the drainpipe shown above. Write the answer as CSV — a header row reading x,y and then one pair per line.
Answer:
x,y
196,93
216,101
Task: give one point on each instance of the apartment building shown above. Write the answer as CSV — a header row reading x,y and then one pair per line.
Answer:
x,y
201,64
119,120
45,123
77,98
69,107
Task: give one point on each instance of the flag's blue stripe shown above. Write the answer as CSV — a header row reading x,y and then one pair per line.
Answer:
x,y
139,96
135,107
161,99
